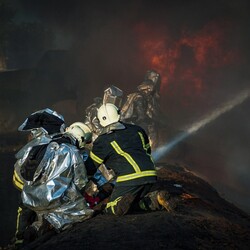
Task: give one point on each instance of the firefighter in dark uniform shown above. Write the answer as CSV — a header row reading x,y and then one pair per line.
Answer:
x,y
125,149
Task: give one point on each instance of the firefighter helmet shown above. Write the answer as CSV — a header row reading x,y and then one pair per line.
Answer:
x,y
80,132
107,114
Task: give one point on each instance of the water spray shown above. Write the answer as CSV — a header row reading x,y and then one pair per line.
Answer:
x,y
163,150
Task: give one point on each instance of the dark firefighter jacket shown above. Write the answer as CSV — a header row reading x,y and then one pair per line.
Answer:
x,y
126,150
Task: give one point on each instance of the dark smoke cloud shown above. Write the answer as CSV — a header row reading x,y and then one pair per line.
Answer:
x,y
102,49
100,33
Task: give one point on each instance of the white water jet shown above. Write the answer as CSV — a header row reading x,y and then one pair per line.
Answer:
x,y
163,150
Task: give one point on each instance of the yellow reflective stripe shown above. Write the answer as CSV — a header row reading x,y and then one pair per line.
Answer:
x,y
145,146
126,156
18,241
95,158
17,181
112,204
18,218
136,175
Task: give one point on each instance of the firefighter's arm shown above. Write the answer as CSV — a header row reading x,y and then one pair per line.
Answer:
x,y
91,166
97,161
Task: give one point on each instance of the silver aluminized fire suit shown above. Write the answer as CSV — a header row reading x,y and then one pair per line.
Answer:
x,y
54,192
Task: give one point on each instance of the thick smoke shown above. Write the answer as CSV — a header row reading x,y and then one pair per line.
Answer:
x,y
101,43
107,47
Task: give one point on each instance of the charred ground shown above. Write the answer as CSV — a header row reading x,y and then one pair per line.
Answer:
x,y
201,220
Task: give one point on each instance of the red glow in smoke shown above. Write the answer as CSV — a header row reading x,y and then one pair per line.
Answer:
x,y
185,62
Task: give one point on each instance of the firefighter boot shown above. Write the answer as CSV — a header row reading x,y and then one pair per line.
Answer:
x,y
163,199
156,200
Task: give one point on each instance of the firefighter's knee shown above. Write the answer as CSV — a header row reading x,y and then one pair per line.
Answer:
x,y
120,206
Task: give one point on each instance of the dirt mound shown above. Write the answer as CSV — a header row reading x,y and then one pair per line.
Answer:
x,y
201,220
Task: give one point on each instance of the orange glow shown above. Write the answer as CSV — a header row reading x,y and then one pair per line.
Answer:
x,y
185,62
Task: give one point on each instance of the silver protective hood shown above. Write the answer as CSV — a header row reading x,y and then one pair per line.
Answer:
x,y
54,192
45,120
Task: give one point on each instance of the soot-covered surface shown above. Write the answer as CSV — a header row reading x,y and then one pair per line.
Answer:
x,y
205,221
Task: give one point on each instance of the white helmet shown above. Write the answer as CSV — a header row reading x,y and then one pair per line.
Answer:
x,y
107,114
80,132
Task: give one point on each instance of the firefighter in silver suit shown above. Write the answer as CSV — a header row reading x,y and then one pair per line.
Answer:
x,y
142,107
54,177
90,118
41,125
